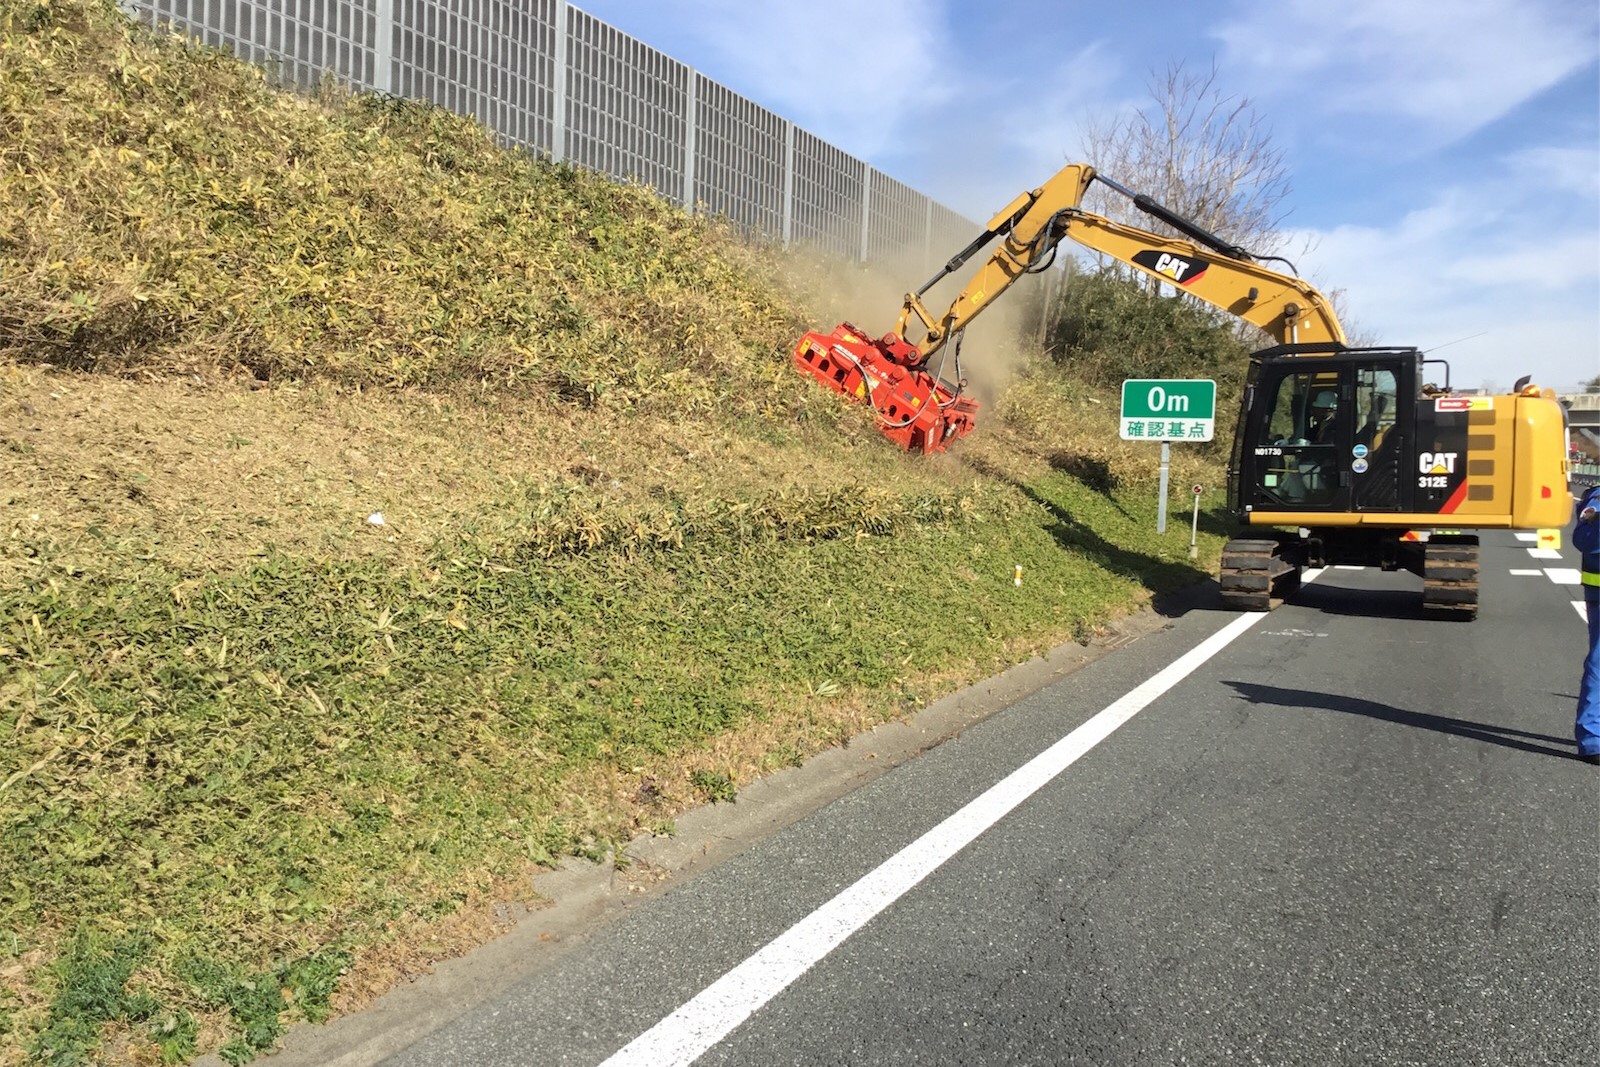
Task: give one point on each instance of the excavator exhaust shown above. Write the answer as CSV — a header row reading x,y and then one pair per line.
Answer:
x,y
916,410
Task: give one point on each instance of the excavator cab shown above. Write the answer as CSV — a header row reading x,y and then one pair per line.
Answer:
x,y
1328,434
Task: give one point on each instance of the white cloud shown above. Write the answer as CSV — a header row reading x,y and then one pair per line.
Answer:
x,y
854,74
1503,287
1024,129
1570,169
1045,113
1509,250
1502,266
1446,67
894,82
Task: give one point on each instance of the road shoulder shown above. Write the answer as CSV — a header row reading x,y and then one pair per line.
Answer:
x,y
584,896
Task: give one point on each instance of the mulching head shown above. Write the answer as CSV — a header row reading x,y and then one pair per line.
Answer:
x,y
915,409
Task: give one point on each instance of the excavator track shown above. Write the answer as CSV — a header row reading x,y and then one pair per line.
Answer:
x,y
1450,578
1256,575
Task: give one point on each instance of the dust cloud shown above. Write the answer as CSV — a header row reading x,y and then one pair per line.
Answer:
x,y
997,344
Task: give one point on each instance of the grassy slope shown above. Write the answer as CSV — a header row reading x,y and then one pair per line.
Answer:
x,y
264,756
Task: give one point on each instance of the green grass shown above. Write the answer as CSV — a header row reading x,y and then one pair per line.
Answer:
x,y
257,765
95,986
256,740
279,761
237,698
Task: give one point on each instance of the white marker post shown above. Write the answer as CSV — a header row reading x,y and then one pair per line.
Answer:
x,y
1166,465
1194,527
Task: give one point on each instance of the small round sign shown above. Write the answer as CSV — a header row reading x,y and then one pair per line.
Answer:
x,y
1199,489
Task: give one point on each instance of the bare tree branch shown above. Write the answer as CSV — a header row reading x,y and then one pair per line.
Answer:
x,y
1204,153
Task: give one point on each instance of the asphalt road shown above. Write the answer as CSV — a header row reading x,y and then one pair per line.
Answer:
x,y
1351,836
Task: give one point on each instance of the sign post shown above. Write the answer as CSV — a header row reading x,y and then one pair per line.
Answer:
x,y
1167,410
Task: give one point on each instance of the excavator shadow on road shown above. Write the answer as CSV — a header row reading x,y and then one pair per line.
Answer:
x,y
1331,598
1505,736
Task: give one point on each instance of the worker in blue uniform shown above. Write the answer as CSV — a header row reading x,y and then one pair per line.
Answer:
x,y
1586,539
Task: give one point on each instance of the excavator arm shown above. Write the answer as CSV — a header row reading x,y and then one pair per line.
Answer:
x,y
921,412
1208,268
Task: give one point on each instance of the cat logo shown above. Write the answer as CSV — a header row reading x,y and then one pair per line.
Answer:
x,y
1437,462
1179,270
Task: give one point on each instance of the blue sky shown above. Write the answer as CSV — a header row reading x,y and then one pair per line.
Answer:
x,y
1444,156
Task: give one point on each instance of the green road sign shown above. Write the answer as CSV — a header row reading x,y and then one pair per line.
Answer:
x,y
1173,409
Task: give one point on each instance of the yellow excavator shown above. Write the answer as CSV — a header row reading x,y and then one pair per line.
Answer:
x,y
1341,455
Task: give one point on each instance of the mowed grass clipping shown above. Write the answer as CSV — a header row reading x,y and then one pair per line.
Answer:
x,y
265,753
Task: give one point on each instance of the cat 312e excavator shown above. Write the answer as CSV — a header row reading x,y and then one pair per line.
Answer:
x,y
1341,455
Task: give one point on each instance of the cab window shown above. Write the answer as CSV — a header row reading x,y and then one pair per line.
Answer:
x,y
1302,409
1376,392
1296,465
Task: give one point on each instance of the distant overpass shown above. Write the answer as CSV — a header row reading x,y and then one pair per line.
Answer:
x,y
1583,409
1583,416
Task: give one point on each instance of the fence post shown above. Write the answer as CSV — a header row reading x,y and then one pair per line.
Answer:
x,y
691,120
788,183
558,87
383,47
866,206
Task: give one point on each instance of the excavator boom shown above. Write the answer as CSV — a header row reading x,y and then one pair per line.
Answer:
x,y
921,412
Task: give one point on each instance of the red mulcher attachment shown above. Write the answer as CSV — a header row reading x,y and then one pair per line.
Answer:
x,y
915,409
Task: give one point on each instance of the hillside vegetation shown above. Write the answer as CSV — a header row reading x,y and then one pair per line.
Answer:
x,y
387,515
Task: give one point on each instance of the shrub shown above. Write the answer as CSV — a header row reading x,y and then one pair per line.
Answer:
x,y
1110,327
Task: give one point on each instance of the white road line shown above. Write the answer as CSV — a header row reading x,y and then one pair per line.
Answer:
x,y
1544,553
1564,575
1534,573
1527,536
1347,567
686,1034
1583,610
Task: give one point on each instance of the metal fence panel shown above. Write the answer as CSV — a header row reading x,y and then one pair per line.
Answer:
x,y
897,220
626,106
547,76
827,195
739,172
949,232
298,40
490,59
